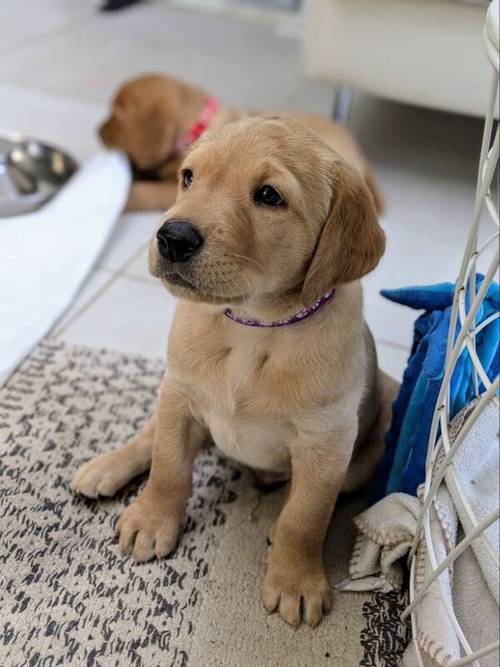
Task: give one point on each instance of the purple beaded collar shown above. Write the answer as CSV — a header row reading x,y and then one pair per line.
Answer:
x,y
297,317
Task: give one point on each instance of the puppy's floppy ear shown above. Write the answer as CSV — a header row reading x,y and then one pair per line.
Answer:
x,y
152,138
351,241
107,131
158,125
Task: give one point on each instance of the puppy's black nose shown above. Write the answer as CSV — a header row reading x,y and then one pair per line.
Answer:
x,y
178,240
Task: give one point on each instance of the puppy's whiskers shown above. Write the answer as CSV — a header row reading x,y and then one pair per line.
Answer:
x,y
250,259
221,279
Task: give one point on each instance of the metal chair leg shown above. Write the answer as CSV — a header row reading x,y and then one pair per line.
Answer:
x,y
342,104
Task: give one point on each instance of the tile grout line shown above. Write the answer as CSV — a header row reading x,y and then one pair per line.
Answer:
x,y
130,276
396,346
139,279
119,273
29,42
122,269
56,332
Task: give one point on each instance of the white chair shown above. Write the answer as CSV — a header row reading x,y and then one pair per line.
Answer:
x,y
422,52
461,336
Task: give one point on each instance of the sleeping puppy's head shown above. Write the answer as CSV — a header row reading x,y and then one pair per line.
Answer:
x,y
146,118
264,209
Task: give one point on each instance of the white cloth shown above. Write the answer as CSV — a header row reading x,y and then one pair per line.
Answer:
x,y
386,532
385,535
45,255
476,468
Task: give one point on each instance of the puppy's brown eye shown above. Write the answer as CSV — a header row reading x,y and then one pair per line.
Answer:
x,y
268,196
187,178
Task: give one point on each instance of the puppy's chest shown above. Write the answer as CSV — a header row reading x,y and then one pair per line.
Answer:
x,y
234,379
229,390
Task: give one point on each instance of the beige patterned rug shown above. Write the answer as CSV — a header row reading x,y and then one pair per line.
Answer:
x,y
68,597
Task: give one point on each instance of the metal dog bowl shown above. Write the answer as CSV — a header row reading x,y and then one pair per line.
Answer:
x,y
30,173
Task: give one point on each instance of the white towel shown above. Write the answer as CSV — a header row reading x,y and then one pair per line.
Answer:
x,y
386,534
45,255
387,530
476,465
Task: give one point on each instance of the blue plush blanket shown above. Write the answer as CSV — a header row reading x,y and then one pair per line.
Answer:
x,y
402,467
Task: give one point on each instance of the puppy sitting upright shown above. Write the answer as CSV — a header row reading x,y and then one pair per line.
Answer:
x,y
268,353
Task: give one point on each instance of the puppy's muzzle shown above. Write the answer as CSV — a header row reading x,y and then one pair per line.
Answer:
x,y
178,240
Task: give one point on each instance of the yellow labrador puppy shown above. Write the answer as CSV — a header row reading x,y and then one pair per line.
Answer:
x,y
268,353
154,119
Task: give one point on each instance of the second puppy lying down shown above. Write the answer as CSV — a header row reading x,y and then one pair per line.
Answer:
x,y
155,119
269,352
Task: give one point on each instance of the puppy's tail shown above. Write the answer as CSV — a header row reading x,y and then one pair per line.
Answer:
x,y
371,182
363,464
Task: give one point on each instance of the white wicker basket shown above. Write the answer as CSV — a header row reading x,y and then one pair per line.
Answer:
x,y
485,214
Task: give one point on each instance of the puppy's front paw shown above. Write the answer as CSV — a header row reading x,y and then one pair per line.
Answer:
x,y
103,476
146,529
298,590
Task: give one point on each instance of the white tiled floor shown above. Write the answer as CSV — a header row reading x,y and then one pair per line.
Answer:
x,y
132,315
133,233
98,282
59,64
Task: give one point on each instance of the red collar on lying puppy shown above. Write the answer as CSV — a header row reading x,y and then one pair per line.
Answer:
x,y
189,137
198,127
293,319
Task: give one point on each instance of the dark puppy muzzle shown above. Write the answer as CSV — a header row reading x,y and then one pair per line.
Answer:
x,y
178,240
